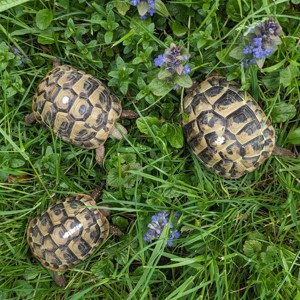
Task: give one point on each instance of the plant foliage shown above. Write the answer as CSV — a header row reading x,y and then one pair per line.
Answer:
x,y
239,239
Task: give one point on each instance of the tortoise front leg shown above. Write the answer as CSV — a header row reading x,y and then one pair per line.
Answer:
x,y
116,133
30,118
115,230
128,114
100,155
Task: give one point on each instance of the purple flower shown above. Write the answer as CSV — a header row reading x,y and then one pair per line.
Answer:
x,y
157,225
23,59
18,54
186,69
269,27
159,60
268,51
258,53
151,11
135,2
174,235
174,61
177,215
257,42
247,50
151,3
16,51
261,39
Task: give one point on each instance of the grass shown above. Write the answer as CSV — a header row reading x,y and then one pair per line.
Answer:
x,y
239,238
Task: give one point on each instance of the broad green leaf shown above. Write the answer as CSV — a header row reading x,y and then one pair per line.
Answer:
x,y
16,163
22,288
137,60
124,87
43,18
174,135
95,19
271,80
63,3
6,4
237,52
108,37
183,80
296,1
294,136
120,63
30,273
163,74
283,112
128,158
271,251
167,109
223,56
143,124
120,222
160,87
161,8
288,74
260,62
103,268
203,37
234,11
46,38
252,247
143,8
178,29
121,6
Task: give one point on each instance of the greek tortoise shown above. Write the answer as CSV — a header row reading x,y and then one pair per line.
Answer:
x,y
226,129
79,108
68,232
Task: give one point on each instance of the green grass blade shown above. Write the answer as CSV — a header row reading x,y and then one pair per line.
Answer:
x,y
6,4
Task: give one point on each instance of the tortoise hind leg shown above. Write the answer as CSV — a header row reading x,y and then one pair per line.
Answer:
x,y
282,152
30,118
116,132
59,279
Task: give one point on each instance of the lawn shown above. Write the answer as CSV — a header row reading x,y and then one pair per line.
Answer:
x,y
214,238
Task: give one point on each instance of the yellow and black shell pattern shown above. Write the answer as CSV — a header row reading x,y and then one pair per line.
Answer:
x,y
226,128
76,106
67,233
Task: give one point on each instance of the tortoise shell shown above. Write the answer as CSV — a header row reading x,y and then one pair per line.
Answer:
x,y
76,106
226,128
67,233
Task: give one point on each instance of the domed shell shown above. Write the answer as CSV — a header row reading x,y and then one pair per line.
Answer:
x,y
76,106
226,128
67,233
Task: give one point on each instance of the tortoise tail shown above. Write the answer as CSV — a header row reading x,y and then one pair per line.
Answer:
x,y
96,193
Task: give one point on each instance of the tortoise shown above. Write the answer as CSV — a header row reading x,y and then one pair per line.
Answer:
x,y
69,232
79,108
226,129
